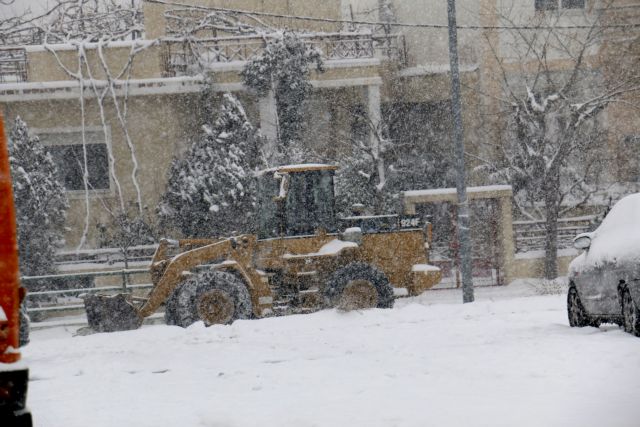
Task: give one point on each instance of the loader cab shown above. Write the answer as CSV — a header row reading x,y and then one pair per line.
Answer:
x,y
296,200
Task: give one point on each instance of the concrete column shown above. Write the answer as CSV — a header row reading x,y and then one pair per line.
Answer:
x,y
269,123
507,244
374,111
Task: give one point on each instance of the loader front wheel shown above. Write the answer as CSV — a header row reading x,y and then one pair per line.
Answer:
x,y
358,286
215,297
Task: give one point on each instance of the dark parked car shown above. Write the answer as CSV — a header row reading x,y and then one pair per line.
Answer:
x,y
604,281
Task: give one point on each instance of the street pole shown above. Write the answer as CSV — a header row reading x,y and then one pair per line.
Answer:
x,y
463,204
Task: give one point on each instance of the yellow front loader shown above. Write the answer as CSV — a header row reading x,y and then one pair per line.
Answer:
x,y
302,259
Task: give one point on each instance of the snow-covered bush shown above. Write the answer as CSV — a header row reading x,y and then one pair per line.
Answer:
x,y
283,67
211,190
40,202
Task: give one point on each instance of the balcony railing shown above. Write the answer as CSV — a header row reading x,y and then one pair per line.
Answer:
x,y
13,65
191,56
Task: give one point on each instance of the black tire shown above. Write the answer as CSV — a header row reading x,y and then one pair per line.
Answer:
x,y
24,325
183,307
358,271
630,314
170,308
578,317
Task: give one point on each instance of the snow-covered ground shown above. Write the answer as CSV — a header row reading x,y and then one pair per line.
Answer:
x,y
510,359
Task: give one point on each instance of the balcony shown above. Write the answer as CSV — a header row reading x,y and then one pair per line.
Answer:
x,y
191,56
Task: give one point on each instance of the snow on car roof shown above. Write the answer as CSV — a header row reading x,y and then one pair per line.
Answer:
x,y
617,240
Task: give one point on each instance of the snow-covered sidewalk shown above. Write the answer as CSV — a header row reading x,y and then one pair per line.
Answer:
x,y
510,359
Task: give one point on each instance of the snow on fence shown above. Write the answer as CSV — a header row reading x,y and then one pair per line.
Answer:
x,y
530,235
66,300
110,256
185,57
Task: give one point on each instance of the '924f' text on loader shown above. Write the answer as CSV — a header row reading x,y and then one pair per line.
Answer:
x,y
299,261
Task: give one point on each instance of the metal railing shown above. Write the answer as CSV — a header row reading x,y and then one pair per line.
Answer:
x,y
530,235
106,256
42,302
68,300
13,65
190,56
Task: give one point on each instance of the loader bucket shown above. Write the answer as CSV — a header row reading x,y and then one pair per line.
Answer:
x,y
111,313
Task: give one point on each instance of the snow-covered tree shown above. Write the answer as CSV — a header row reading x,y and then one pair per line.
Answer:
x,y
409,149
211,190
283,67
553,148
40,201
363,173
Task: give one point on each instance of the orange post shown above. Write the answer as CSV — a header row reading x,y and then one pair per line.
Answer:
x,y
9,273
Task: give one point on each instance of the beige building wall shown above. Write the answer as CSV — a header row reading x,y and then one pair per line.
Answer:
x,y
162,119
427,47
161,115
155,24
563,43
154,141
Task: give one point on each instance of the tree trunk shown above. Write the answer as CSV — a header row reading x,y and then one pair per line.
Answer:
x,y
551,232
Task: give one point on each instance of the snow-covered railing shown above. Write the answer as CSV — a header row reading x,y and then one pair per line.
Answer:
x,y
105,255
13,65
186,56
67,299
530,235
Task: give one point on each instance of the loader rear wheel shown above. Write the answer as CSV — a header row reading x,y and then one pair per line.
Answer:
x,y
215,297
358,286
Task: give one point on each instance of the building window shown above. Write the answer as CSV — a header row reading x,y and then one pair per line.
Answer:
x,y
573,4
66,148
546,4
556,4
629,159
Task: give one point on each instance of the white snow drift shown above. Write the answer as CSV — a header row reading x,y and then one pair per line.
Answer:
x,y
509,359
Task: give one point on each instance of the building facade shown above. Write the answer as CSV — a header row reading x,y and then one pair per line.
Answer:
x,y
133,104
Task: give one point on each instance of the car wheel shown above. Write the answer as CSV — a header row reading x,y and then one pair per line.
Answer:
x,y
578,317
358,286
630,314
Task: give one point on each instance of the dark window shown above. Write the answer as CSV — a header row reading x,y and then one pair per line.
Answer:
x,y
310,203
359,127
67,152
573,4
70,162
421,135
546,4
553,4
629,159
269,215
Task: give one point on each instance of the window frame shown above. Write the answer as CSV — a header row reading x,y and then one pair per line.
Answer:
x,y
78,194
542,6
